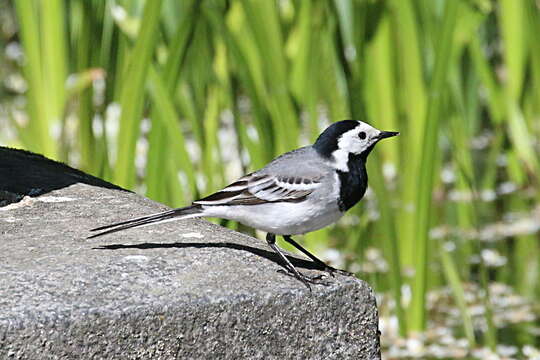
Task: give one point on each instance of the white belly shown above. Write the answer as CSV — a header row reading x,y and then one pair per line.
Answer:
x,y
284,218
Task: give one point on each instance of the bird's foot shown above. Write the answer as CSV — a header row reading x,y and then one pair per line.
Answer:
x,y
319,279
331,270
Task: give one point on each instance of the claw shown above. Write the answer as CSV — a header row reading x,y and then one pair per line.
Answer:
x,y
318,261
306,279
331,270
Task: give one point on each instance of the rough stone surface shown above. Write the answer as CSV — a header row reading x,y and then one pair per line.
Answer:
x,y
180,290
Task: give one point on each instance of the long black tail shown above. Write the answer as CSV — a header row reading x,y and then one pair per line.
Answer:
x,y
189,211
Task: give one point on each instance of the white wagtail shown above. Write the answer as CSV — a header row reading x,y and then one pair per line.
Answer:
x,y
298,192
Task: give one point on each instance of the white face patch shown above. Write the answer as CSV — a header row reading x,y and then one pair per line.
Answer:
x,y
354,141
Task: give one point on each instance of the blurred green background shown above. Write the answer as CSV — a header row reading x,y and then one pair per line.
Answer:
x,y
175,99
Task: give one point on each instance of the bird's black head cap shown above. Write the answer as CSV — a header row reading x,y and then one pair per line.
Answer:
x,y
327,142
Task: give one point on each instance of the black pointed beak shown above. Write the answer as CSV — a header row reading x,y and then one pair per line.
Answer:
x,y
387,134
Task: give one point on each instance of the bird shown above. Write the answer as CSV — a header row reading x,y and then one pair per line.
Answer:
x,y
298,192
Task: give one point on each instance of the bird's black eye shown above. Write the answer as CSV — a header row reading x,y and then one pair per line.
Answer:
x,y
362,135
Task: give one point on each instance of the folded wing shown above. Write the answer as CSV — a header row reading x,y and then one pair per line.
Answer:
x,y
255,189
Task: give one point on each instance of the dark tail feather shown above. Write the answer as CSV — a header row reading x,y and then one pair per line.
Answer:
x,y
145,220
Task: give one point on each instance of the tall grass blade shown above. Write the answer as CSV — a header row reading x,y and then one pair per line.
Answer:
x,y
160,134
452,275
413,102
132,94
427,164
38,107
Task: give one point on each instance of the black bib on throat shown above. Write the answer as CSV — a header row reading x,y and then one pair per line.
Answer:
x,y
353,183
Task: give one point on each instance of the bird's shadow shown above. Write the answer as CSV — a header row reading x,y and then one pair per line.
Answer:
x,y
270,255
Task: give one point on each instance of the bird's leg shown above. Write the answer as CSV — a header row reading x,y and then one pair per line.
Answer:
x,y
271,240
318,261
